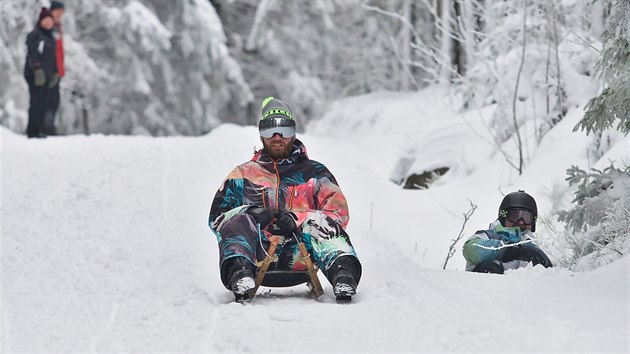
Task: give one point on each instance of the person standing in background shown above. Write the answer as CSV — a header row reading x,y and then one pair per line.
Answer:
x,y
40,72
57,9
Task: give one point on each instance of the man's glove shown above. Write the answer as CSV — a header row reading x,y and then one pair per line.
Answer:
x,y
262,215
286,223
40,77
527,254
54,80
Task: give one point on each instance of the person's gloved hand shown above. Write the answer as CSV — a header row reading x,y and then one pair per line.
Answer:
x,y
527,254
54,80
40,77
262,215
286,223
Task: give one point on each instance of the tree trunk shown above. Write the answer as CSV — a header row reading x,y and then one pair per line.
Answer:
x,y
405,47
479,17
459,52
447,42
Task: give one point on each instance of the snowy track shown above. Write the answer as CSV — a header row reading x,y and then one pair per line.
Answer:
x,y
105,248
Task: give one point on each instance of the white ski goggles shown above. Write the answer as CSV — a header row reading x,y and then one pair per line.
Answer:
x,y
270,126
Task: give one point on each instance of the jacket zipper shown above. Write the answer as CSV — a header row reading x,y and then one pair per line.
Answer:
x,y
291,198
275,166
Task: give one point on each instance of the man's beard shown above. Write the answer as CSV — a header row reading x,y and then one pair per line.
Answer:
x,y
278,152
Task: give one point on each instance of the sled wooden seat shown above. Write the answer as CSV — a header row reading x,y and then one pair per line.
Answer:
x,y
285,278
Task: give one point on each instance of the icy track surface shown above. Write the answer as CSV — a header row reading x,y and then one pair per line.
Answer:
x,y
105,248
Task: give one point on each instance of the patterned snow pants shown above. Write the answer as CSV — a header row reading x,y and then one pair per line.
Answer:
x,y
324,239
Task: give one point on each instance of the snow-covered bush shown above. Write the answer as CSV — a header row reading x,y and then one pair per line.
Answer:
x,y
598,226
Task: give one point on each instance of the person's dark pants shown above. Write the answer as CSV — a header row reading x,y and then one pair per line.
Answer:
x,y
331,252
37,110
51,110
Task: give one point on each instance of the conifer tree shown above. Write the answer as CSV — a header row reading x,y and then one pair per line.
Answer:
x,y
613,103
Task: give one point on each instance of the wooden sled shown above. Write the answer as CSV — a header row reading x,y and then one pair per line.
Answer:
x,y
286,278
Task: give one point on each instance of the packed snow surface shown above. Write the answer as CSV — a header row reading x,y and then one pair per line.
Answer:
x,y
106,248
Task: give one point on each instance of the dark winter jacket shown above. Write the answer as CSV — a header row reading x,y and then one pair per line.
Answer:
x,y
40,53
297,184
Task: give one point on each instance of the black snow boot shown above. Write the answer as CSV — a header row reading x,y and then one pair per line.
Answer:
x,y
344,275
488,267
241,278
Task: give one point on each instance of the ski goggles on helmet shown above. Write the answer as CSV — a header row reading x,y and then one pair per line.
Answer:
x,y
270,126
514,215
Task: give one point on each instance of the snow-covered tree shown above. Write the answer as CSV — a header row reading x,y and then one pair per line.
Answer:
x,y
16,20
140,67
314,52
598,226
613,103
526,62
182,67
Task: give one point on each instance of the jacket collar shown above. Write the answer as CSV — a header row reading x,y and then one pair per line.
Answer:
x,y
43,30
496,226
298,154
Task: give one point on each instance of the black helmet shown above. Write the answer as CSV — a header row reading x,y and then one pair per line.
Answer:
x,y
518,200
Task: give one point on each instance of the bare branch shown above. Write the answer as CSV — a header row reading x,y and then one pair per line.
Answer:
x,y
439,23
261,10
405,63
518,79
467,215
394,15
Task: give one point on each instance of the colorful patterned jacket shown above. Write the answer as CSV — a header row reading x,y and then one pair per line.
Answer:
x,y
296,184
